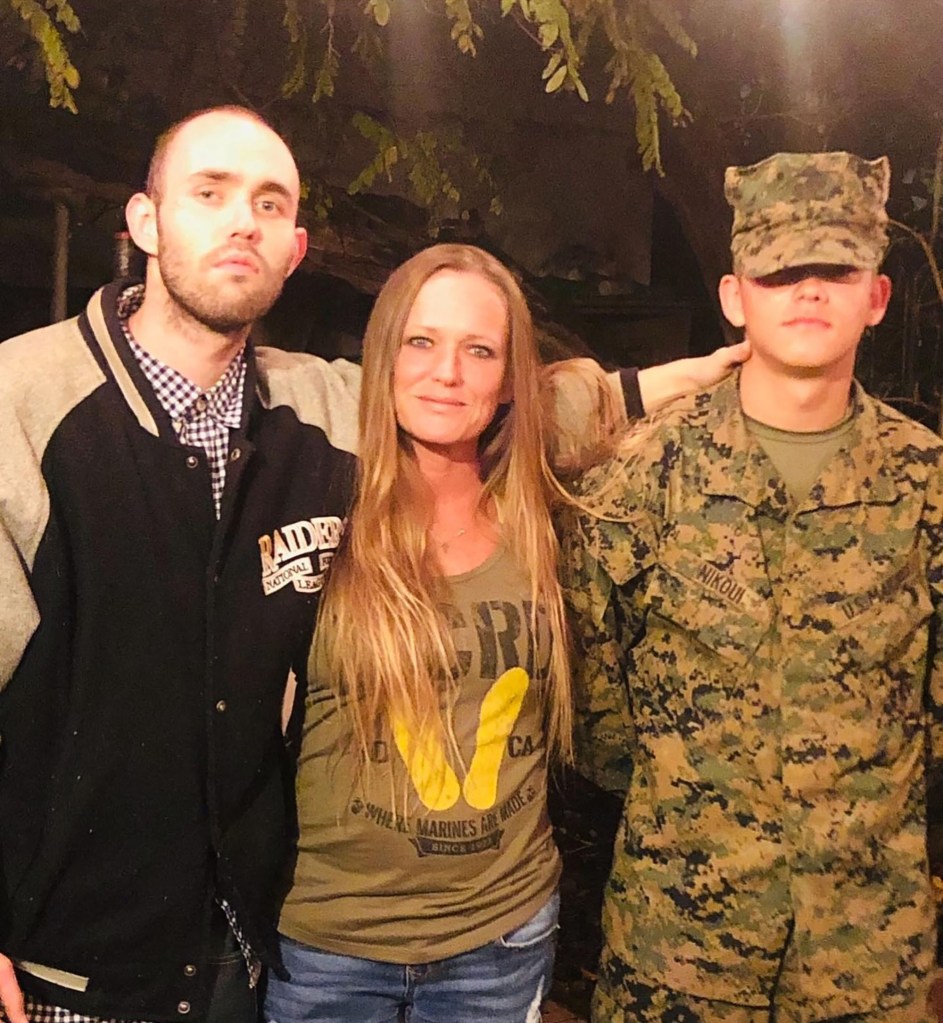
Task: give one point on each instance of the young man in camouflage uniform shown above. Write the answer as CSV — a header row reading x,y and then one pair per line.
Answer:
x,y
760,603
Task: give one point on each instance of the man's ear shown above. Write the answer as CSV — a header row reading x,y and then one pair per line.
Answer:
x,y
301,247
880,296
141,217
731,300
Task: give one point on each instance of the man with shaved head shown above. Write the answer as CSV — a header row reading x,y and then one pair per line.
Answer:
x,y
168,507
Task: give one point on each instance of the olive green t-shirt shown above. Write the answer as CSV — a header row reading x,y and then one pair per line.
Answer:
x,y
473,857
800,457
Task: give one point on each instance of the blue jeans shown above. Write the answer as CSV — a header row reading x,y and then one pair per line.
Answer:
x,y
504,981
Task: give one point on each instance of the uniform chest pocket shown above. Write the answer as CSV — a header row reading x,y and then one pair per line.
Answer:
x,y
712,606
883,624
870,649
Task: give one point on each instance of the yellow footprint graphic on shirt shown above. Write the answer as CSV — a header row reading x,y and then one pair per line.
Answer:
x,y
499,711
434,779
429,771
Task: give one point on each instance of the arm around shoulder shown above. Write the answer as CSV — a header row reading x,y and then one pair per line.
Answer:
x,y
323,394
662,384
587,410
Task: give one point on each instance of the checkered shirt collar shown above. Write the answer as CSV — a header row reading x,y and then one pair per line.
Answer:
x,y
177,394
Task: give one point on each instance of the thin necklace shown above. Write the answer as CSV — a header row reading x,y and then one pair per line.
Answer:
x,y
444,545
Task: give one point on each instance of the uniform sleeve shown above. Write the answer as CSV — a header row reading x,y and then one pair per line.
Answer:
x,y
609,547
602,720
935,677
934,691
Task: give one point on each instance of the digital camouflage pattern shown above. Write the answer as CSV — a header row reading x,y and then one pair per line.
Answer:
x,y
767,678
796,209
620,997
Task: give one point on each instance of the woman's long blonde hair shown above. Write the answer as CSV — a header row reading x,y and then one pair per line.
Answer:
x,y
382,641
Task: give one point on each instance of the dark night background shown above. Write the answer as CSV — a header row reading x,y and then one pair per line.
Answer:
x,y
617,260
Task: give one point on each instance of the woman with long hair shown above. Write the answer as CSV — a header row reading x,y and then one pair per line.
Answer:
x,y
438,683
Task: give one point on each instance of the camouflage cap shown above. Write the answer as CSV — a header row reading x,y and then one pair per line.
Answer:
x,y
793,209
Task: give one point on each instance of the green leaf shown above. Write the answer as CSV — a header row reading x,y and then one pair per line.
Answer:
x,y
297,74
327,75
61,74
556,79
548,34
555,58
291,19
380,9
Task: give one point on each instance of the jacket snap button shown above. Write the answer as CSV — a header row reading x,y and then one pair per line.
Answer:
x,y
190,970
221,706
183,1008
235,455
192,461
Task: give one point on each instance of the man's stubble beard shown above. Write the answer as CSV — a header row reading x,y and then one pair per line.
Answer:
x,y
212,307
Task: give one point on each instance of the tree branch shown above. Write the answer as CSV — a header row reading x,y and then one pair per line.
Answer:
x,y
924,244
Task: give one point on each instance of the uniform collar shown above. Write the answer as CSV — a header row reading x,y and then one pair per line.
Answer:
x,y
857,474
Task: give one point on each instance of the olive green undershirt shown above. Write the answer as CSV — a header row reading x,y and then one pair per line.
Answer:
x,y
800,457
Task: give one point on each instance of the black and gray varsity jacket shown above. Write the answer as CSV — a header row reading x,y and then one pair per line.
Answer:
x,y
144,648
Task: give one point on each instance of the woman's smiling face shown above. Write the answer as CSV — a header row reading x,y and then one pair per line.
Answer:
x,y
449,374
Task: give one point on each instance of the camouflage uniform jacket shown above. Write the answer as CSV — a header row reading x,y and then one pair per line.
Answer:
x,y
773,672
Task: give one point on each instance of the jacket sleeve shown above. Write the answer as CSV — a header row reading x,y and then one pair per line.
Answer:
x,y
609,546
20,616
323,394
24,510
43,375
